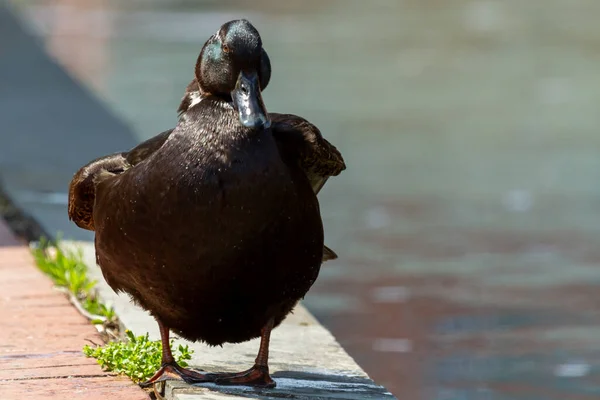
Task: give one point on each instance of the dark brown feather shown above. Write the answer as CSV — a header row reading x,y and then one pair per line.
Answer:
x,y
82,189
303,142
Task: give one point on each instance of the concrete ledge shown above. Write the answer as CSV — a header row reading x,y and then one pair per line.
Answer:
x,y
305,359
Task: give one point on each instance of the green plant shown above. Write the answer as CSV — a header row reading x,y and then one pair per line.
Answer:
x,y
68,271
138,357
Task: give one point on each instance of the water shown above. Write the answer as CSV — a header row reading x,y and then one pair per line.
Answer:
x,y
468,219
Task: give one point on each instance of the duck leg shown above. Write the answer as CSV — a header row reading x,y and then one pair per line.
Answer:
x,y
258,375
169,367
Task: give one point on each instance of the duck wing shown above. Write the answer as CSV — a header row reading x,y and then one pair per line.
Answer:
x,y
301,143
82,189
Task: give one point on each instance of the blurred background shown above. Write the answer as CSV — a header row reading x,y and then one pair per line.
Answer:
x,y
468,219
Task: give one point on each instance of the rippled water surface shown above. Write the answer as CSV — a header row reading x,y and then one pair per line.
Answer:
x,y
468,220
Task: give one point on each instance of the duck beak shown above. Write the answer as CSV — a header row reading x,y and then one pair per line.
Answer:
x,y
247,100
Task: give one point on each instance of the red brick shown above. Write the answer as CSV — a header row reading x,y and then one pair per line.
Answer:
x,y
74,388
13,256
42,335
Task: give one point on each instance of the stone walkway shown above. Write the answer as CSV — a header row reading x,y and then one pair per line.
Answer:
x,y
41,337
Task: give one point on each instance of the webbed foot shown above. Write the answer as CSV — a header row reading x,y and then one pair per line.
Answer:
x,y
174,371
257,376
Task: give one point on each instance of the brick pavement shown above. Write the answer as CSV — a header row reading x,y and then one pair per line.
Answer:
x,y
41,337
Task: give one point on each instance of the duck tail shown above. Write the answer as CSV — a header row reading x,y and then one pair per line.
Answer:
x,y
328,254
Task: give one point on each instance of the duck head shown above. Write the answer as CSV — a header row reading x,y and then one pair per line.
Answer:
x,y
233,66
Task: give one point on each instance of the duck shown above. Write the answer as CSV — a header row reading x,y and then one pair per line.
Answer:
x,y
213,227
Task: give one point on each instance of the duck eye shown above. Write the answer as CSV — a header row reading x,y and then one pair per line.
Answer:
x,y
225,48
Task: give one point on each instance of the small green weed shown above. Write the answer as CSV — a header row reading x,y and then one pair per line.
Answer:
x,y
138,357
68,271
